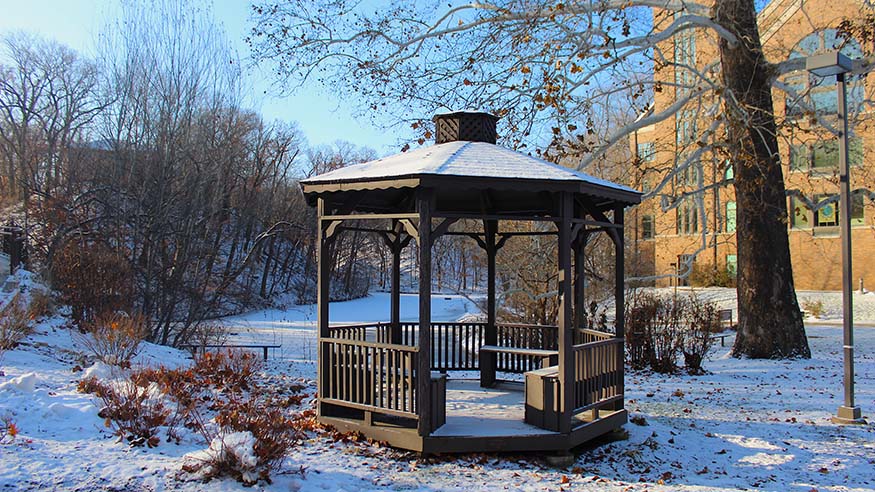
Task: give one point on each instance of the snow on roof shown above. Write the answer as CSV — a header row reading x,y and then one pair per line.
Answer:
x,y
461,158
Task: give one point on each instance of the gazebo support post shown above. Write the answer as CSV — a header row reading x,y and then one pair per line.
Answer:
x,y
322,299
489,361
395,295
423,370
580,281
566,319
620,296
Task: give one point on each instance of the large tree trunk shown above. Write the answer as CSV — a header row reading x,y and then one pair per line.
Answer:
x,y
769,321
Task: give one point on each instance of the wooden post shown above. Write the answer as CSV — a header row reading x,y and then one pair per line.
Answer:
x,y
489,361
620,297
566,330
423,369
580,282
395,295
322,294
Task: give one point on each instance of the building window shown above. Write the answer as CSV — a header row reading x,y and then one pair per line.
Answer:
x,y
857,215
647,227
730,216
827,215
646,151
684,56
732,265
819,93
688,217
824,155
730,172
799,214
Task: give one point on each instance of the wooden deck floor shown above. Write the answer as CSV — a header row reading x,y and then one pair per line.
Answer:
x,y
485,412
485,420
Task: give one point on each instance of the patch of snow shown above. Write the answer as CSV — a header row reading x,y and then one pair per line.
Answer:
x,y
25,383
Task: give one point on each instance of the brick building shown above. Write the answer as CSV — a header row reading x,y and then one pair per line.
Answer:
x,y
695,236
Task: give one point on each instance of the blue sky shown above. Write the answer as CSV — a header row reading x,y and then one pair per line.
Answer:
x,y
321,117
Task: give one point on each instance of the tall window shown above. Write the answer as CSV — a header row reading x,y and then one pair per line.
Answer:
x,y
799,214
732,265
730,216
647,227
857,217
684,56
688,217
820,92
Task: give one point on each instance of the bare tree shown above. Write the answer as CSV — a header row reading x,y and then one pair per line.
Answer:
x,y
543,65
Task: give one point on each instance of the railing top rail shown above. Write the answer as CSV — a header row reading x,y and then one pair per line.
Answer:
x,y
598,343
358,325
360,343
596,332
524,325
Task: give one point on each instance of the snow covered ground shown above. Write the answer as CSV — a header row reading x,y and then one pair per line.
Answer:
x,y
746,425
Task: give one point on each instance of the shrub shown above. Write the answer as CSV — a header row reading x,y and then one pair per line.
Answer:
x,y
206,333
253,441
219,400
665,335
8,430
641,309
134,411
703,319
659,329
92,279
813,308
708,276
40,305
114,338
14,325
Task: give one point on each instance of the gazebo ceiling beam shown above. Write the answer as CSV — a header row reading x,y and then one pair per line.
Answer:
x,y
369,216
520,233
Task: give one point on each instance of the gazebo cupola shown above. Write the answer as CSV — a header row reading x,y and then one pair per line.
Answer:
x,y
379,379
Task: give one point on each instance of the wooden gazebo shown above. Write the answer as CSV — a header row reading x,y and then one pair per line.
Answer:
x,y
389,380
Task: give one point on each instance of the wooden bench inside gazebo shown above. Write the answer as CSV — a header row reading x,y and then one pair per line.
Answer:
x,y
389,380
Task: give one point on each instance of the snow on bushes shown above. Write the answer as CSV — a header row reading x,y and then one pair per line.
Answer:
x,y
231,454
217,401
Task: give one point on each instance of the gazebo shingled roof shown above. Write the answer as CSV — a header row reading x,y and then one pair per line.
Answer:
x,y
465,159
419,195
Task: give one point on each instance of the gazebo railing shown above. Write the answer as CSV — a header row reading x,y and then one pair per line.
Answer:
x,y
455,345
598,373
371,376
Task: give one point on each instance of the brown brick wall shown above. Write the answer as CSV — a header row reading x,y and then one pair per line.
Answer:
x,y
816,252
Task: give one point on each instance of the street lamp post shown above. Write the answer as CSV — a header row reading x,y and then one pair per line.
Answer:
x,y
825,65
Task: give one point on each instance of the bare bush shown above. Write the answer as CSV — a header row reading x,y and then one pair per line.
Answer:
x,y
92,279
703,319
660,329
114,338
41,304
206,333
14,325
665,335
641,309
135,411
813,307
